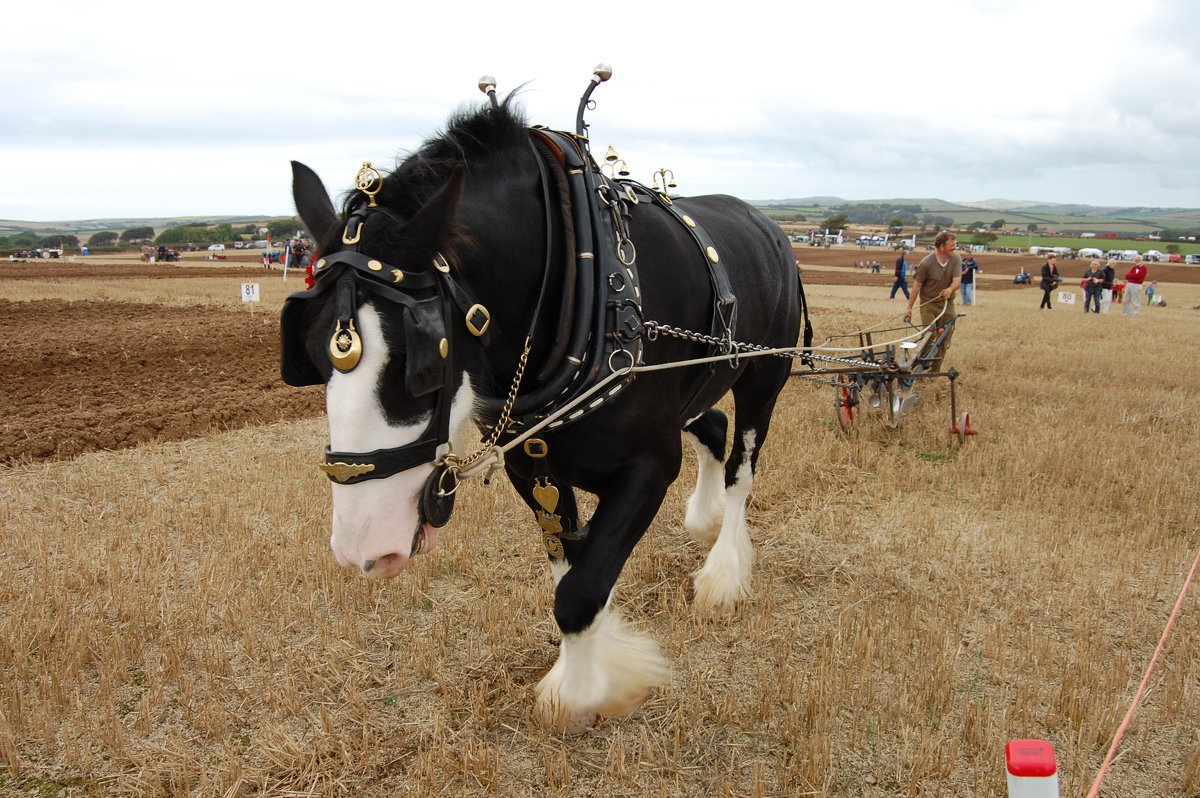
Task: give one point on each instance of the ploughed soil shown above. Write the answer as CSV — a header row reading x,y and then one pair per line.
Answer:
x,y
82,376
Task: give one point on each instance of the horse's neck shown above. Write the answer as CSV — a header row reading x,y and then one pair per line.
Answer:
x,y
505,274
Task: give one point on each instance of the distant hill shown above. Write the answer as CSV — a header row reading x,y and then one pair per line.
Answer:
x,y
1047,215
117,225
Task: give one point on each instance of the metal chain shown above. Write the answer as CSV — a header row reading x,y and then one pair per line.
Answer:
x,y
489,443
653,328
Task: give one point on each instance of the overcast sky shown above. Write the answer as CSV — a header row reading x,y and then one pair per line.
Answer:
x,y
139,109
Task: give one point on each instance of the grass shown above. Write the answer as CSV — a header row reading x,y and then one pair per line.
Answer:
x,y
172,623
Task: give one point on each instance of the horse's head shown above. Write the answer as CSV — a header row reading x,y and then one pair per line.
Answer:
x,y
379,329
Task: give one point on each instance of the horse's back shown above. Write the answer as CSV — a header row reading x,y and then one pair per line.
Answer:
x,y
756,257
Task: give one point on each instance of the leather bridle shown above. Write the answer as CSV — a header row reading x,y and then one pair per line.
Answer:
x,y
426,299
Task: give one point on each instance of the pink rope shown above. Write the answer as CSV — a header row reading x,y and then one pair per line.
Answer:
x,y
1112,750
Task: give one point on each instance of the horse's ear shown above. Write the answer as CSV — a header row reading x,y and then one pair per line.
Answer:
x,y
312,202
435,223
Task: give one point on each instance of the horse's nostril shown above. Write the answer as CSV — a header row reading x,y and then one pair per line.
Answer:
x,y
384,567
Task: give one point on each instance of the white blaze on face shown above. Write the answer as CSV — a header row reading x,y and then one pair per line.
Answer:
x,y
375,521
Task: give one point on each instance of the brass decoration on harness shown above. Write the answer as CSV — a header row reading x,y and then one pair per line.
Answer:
x,y
546,494
344,471
668,182
367,178
345,347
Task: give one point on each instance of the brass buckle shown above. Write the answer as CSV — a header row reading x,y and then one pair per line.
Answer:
x,y
478,329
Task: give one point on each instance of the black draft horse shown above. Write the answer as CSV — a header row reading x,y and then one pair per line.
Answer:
x,y
445,288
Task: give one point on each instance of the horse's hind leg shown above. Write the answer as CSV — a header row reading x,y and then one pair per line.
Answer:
x,y
725,576
706,505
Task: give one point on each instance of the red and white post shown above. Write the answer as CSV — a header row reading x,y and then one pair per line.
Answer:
x,y
1031,769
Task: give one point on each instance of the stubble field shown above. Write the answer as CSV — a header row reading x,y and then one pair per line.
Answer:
x,y
171,621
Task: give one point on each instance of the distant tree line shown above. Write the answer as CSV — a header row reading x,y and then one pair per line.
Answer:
x,y
881,214
205,234
27,240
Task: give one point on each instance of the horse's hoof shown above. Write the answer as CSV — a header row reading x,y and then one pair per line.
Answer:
x,y
562,722
716,594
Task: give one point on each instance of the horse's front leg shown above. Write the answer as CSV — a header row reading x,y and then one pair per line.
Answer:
x,y
604,666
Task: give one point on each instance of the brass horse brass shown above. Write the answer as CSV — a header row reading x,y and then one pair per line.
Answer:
x,y
553,543
345,347
546,495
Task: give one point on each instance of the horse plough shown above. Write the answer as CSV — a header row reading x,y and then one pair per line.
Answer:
x,y
885,373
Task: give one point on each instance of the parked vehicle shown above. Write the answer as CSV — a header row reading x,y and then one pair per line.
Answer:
x,y
216,247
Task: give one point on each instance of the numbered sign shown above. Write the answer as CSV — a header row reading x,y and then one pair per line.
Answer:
x,y
1066,297
250,292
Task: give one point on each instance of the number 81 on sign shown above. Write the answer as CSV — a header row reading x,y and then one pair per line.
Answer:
x,y
250,292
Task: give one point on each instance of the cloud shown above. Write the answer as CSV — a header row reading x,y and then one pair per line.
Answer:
x,y
199,111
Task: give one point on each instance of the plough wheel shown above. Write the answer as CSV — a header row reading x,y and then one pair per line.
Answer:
x,y
845,402
964,428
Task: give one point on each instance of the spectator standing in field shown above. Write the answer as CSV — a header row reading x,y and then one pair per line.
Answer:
x,y
935,282
1133,288
1106,287
1050,280
901,272
969,267
1093,279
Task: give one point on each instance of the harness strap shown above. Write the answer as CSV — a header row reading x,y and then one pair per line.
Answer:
x,y
724,300
544,150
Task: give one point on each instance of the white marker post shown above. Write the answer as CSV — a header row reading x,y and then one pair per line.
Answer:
x,y
250,294
1031,769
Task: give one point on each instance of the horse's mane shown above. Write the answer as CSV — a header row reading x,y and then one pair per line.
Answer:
x,y
469,135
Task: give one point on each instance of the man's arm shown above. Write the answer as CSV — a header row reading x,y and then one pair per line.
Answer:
x,y
912,297
954,284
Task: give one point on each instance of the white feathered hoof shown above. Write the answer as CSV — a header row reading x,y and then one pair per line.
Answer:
x,y
724,580
608,670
